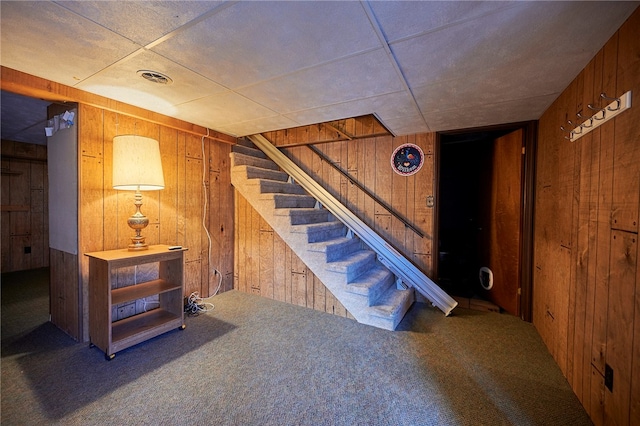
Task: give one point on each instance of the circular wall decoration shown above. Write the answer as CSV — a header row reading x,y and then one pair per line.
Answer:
x,y
407,159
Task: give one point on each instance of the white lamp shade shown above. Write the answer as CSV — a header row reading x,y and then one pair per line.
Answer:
x,y
137,163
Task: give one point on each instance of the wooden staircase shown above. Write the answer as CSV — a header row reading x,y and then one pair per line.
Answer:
x,y
344,264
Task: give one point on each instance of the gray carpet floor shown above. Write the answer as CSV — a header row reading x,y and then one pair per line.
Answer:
x,y
255,361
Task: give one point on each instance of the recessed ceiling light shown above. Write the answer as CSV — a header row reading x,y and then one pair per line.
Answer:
x,y
155,77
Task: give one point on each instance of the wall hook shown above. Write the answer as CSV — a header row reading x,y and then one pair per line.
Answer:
x,y
599,110
587,120
602,115
604,96
564,129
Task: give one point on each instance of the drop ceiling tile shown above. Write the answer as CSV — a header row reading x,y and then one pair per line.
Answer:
x,y
28,118
476,91
467,117
527,32
386,107
407,125
403,19
261,125
65,47
121,82
222,109
141,21
363,76
254,41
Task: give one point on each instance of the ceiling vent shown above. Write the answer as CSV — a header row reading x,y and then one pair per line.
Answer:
x,y
155,77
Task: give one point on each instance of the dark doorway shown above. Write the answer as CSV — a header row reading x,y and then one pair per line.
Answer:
x,y
480,216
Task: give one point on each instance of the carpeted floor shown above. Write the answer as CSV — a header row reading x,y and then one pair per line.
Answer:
x,y
255,361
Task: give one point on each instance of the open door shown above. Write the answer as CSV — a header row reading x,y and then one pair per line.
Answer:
x,y
483,228
500,240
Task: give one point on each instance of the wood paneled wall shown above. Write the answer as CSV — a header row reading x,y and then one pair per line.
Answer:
x,y
586,284
176,213
25,211
265,266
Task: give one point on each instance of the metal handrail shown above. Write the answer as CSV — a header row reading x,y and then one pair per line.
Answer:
x,y
367,192
387,255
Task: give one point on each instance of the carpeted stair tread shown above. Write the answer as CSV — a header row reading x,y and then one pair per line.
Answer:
x,y
248,150
299,216
336,248
283,201
254,172
275,186
372,283
317,232
239,159
392,302
353,264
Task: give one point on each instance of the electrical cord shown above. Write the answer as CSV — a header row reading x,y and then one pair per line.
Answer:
x,y
196,304
204,225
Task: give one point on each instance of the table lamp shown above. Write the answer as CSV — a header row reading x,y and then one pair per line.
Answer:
x,y
137,167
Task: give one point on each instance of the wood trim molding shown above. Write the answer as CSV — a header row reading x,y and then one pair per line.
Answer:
x,y
29,85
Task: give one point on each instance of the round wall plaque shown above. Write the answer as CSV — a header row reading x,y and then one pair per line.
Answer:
x,y
407,159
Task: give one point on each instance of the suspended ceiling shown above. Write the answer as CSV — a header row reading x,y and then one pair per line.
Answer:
x,y
248,67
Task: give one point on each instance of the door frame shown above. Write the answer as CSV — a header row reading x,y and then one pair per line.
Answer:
x,y
529,135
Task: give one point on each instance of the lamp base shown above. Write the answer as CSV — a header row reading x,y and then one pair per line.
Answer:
x,y
138,244
138,222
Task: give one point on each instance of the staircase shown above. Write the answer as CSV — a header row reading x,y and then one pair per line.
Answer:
x,y
355,274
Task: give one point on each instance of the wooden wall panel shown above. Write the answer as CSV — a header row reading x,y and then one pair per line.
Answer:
x,y
25,210
65,301
266,266
626,176
169,195
176,213
266,262
619,355
585,284
634,413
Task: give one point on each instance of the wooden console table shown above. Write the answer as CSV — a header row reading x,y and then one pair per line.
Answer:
x,y
113,336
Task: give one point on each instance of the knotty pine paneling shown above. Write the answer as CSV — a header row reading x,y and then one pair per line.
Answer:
x,y
586,283
367,161
25,209
65,304
266,266
192,166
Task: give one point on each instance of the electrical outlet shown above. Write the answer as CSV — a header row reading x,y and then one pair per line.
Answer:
x,y
125,311
430,201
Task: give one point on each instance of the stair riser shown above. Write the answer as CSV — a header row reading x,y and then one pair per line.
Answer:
x,y
374,289
336,252
292,201
323,234
408,297
390,323
354,269
305,217
269,186
238,159
251,152
252,172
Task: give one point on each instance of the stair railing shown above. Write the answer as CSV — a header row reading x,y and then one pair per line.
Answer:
x,y
366,191
387,255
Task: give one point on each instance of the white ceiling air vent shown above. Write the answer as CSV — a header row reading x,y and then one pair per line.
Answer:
x,y
155,77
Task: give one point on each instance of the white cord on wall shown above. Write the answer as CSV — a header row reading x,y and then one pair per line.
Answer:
x,y
196,298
